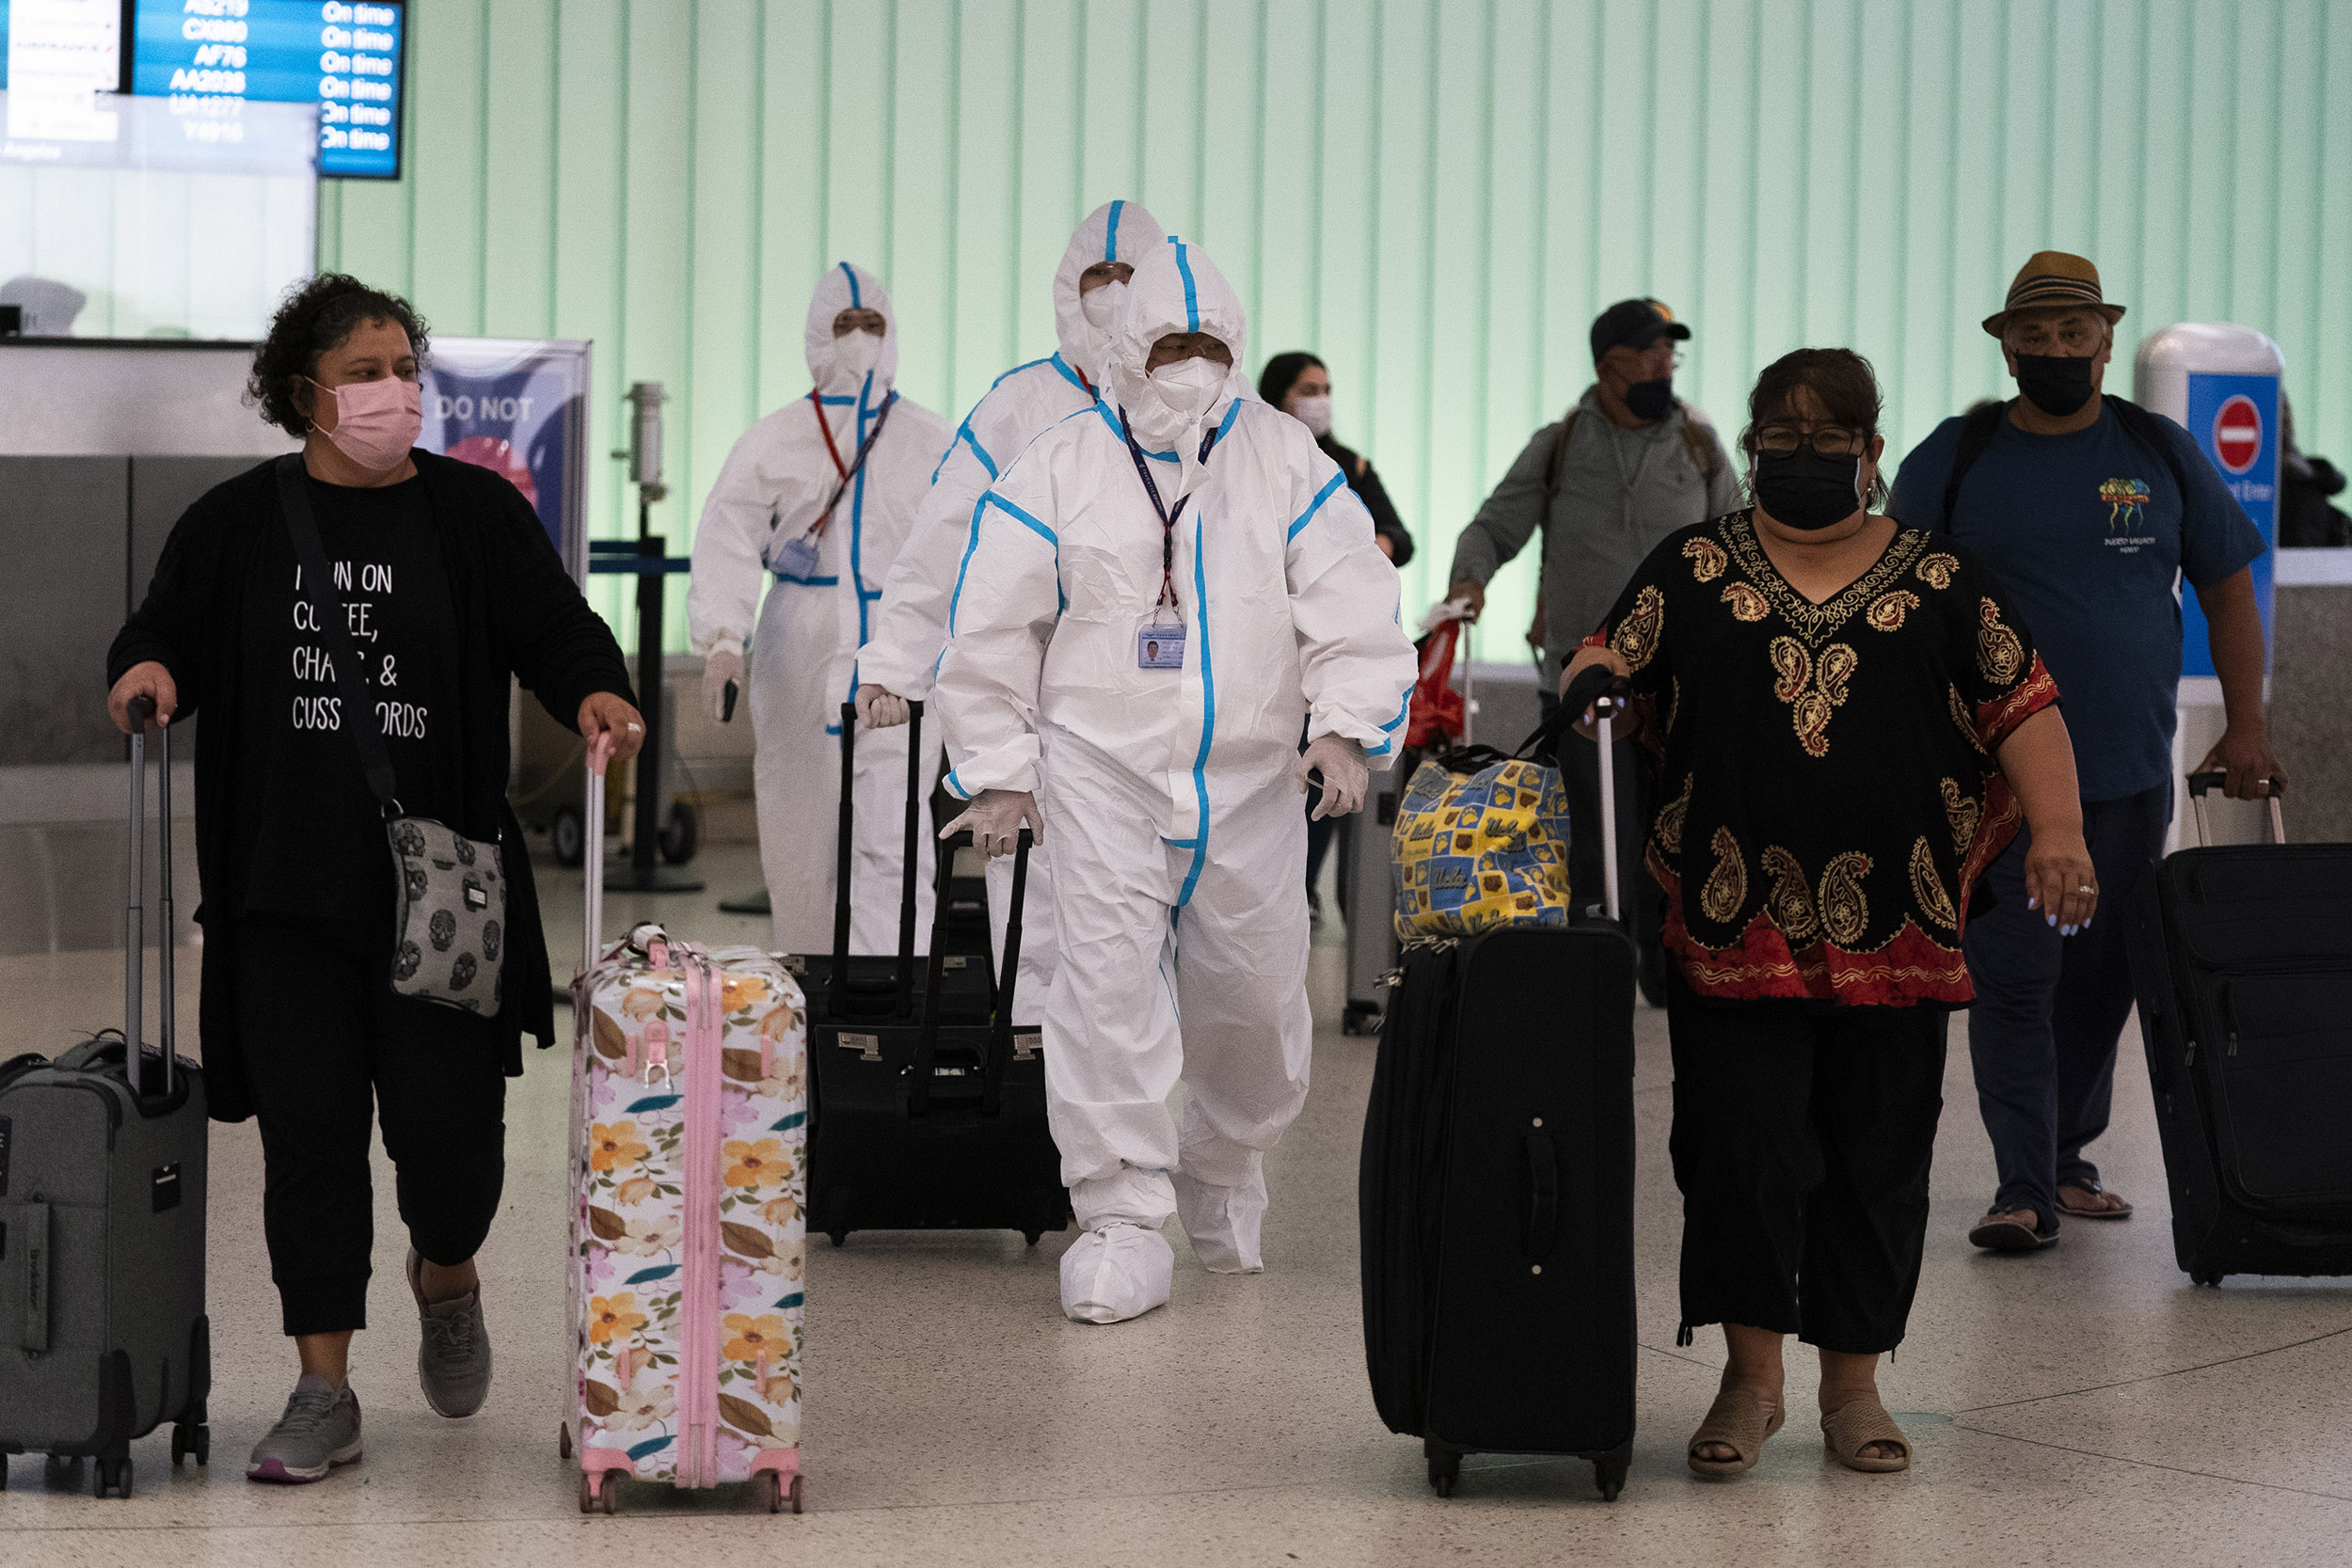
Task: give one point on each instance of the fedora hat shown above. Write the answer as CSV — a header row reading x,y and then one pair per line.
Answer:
x,y
2053,278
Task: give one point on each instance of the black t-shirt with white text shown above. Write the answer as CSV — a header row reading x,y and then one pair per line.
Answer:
x,y
309,834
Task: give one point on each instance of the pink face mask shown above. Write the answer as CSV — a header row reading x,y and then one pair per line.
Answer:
x,y
376,422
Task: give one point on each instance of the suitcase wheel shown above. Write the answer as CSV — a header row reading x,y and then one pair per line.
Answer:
x,y
191,1437
840,1236
2206,1276
772,1496
563,1440
601,1490
1445,1468
1611,1479
112,1475
1031,1234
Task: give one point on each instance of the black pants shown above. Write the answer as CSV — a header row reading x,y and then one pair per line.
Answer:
x,y
325,1044
1800,1142
2050,1007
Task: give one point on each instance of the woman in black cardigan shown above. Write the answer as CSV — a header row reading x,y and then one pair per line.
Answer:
x,y
448,588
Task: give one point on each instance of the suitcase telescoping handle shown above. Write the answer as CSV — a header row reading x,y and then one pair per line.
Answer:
x,y
134,915
2200,782
1606,694
1009,967
902,974
592,859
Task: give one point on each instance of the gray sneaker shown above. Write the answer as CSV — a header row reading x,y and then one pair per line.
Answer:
x,y
453,1357
319,1431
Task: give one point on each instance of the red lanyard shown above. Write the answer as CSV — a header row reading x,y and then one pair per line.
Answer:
x,y
824,427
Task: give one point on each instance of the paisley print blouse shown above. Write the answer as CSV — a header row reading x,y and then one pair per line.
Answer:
x,y
1826,770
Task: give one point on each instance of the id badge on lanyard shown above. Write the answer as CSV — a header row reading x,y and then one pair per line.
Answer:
x,y
800,558
1160,641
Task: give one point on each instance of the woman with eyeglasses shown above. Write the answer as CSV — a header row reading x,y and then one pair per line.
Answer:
x,y
1848,723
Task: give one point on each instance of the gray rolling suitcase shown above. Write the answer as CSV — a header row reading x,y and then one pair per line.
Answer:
x,y
103,1335
1368,895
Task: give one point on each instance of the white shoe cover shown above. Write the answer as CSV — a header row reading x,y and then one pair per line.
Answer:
x,y
1116,1273
1222,1222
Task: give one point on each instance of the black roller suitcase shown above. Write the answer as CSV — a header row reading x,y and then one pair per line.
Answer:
x,y
881,986
1496,1198
2241,960
102,1333
920,1121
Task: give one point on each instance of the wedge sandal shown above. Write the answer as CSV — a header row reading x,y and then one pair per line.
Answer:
x,y
1738,1420
1857,1424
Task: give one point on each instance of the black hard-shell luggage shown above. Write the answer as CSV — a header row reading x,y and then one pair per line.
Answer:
x,y
840,985
102,1334
2241,960
923,1121
1496,1196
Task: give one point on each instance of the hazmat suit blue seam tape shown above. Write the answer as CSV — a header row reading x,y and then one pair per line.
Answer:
x,y
1388,729
1062,366
838,402
1110,236
857,510
955,786
993,499
970,544
1109,419
807,582
964,433
1192,299
851,273
1306,516
1232,412
1208,717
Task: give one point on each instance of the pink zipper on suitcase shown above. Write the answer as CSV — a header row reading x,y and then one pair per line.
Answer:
x,y
689,1114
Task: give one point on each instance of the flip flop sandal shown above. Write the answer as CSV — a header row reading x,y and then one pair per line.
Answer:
x,y
1854,1426
2008,1235
2119,1210
1737,1421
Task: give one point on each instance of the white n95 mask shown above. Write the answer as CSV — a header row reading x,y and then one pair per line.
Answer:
x,y
1314,413
1101,304
1189,386
856,353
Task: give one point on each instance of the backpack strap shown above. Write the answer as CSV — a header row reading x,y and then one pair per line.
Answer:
x,y
2147,427
1558,461
1975,433
1699,443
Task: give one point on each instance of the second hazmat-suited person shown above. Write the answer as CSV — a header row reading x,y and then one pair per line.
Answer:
x,y
812,508
910,624
1154,599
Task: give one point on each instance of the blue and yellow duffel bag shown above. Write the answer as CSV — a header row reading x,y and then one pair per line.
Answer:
x,y
1482,841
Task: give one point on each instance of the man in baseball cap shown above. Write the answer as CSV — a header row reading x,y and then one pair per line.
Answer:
x,y
1628,465
2085,507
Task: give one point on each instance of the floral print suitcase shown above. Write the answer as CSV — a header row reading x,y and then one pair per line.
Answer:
x,y
690,1111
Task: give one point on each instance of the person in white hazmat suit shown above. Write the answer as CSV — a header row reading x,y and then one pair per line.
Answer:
x,y
813,504
911,627
1151,600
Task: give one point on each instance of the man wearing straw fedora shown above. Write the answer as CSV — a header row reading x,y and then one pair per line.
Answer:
x,y
2086,508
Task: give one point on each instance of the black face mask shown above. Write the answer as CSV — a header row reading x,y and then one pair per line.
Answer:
x,y
1651,400
2058,384
1807,491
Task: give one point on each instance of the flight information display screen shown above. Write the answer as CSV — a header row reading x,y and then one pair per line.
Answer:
x,y
210,56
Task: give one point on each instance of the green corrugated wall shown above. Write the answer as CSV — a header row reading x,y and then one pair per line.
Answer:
x,y
1435,194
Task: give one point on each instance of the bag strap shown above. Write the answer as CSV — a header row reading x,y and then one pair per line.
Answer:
x,y
1557,462
2146,426
1975,433
318,586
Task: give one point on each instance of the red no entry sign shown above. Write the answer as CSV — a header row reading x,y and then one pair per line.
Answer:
x,y
2237,434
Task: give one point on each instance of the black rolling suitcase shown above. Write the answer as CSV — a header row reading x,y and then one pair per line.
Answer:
x,y
921,1121
2242,964
1496,1198
840,985
102,1334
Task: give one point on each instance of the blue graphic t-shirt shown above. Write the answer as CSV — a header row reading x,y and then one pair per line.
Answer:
x,y
2088,533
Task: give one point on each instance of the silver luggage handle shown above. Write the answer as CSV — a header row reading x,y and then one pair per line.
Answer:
x,y
142,713
592,862
2199,783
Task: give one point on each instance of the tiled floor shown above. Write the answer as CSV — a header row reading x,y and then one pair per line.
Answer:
x,y
2085,1406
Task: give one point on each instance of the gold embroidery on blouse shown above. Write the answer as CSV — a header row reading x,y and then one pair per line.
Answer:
x,y
1828,680
1810,620
1790,900
1936,570
1845,913
1965,813
1670,818
1636,636
1999,655
1928,888
1726,888
1745,602
1965,720
1707,559
1886,613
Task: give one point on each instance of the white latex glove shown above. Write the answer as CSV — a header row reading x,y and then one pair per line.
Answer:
x,y
996,817
878,708
719,666
1346,777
